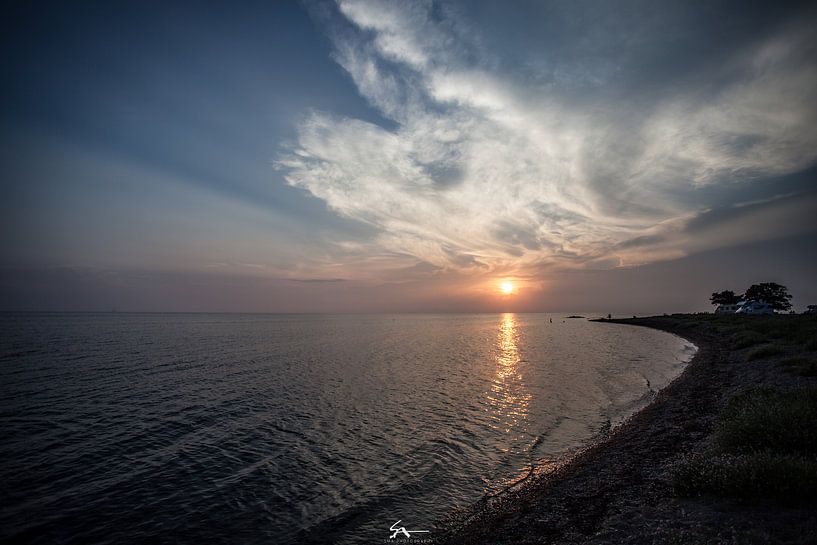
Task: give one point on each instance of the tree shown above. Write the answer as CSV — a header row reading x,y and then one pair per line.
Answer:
x,y
726,297
769,292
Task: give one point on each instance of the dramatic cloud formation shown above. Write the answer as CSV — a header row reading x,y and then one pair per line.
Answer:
x,y
358,155
510,167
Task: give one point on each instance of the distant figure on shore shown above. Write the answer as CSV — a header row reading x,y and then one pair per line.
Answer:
x,y
609,316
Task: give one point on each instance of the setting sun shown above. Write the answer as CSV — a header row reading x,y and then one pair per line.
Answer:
x,y
506,287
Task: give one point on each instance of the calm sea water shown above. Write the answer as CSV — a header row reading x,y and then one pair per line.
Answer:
x,y
122,428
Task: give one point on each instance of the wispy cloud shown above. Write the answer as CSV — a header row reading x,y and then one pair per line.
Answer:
x,y
491,170
317,280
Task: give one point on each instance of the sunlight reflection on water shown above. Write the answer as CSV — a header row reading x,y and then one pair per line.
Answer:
x,y
509,396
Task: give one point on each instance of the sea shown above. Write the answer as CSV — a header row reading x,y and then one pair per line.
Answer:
x,y
289,429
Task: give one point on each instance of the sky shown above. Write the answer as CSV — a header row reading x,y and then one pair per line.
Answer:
x,y
629,157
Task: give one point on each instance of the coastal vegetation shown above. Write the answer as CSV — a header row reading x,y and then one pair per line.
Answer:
x,y
775,294
801,365
764,352
770,292
785,331
764,444
726,297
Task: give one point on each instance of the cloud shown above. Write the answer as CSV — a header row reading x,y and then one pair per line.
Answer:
x,y
489,169
317,280
719,227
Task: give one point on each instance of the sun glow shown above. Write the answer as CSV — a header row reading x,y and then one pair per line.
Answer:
x,y
506,287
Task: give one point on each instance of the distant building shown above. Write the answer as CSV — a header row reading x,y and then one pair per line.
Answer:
x,y
728,309
755,307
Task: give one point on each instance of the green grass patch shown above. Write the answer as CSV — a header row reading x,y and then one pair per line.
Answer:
x,y
745,339
796,330
764,352
765,445
788,477
760,419
801,365
745,331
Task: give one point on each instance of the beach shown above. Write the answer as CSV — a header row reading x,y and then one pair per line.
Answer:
x,y
625,488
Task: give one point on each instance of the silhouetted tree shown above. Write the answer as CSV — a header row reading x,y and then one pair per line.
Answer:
x,y
726,297
769,292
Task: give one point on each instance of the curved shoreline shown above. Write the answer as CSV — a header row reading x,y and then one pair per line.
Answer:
x,y
618,490
544,467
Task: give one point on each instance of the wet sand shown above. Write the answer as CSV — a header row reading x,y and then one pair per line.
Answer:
x,y
619,490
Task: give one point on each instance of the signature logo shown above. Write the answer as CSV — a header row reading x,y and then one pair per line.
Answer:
x,y
402,530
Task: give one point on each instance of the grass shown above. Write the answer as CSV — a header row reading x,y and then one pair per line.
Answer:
x,y
801,365
759,419
764,474
745,339
765,336
765,445
745,331
764,352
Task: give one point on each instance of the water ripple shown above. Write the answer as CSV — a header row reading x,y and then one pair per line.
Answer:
x,y
294,429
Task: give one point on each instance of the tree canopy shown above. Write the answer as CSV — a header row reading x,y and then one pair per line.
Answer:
x,y
776,295
726,297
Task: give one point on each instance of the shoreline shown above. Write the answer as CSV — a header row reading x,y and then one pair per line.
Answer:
x,y
618,490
